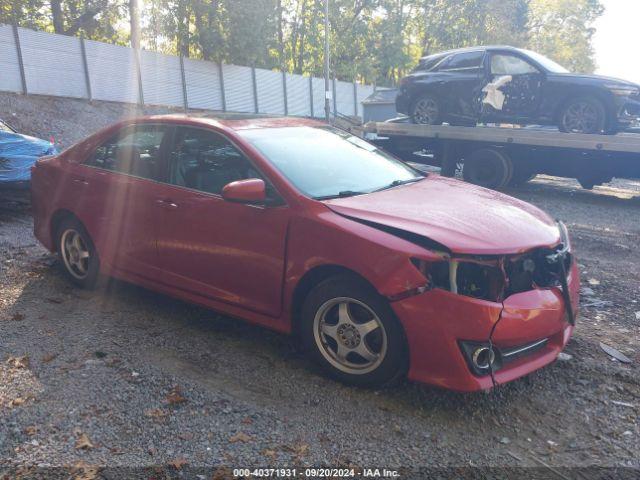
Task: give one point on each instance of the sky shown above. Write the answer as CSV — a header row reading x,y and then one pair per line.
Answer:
x,y
616,40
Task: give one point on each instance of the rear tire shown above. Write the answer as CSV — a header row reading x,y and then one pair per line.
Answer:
x,y
352,332
487,167
586,115
426,111
78,253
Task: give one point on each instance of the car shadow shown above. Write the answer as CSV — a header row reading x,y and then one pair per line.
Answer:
x,y
225,355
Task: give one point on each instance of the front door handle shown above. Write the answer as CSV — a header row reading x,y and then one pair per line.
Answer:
x,y
81,181
167,203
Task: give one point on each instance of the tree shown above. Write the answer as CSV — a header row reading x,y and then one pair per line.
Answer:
x,y
371,40
563,29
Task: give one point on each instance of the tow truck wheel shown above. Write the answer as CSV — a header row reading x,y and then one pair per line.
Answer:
x,y
521,175
488,167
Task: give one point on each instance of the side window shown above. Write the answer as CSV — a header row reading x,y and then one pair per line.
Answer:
x,y
510,65
134,151
466,62
206,161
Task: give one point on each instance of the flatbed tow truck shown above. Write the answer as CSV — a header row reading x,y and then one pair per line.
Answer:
x,y
496,156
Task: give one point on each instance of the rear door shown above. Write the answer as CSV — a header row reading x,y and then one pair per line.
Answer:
x,y
512,88
230,252
119,185
462,82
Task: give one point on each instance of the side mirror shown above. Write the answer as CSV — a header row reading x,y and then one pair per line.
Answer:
x,y
251,190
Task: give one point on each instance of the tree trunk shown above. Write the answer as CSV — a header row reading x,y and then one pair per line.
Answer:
x,y
134,22
56,14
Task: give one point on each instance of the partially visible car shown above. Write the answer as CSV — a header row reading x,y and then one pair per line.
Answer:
x,y
18,153
378,269
501,84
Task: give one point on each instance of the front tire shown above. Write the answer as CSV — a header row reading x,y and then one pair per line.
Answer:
x,y
78,253
352,332
583,115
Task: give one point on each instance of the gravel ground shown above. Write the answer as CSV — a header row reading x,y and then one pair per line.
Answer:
x,y
126,377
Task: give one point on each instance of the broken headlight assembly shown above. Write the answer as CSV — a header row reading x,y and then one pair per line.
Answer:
x,y
495,278
623,90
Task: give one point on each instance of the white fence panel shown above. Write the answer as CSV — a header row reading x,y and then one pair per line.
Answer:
x,y
318,98
344,98
363,92
203,84
161,79
238,88
298,100
113,73
9,67
53,64
270,91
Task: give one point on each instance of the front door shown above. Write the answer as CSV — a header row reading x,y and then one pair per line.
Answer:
x,y
512,89
230,252
117,187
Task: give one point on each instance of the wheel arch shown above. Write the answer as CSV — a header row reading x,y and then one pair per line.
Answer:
x,y
309,280
587,91
57,218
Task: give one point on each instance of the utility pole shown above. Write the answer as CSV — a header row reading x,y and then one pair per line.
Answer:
x,y
327,89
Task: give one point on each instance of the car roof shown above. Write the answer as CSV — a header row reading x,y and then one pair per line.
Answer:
x,y
471,49
233,121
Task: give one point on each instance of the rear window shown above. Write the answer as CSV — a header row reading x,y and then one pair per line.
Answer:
x,y
469,61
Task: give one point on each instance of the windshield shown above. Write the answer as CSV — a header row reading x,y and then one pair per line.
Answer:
x,y
5,128
324,162
547,63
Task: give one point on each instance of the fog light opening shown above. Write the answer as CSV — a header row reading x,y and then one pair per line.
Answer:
x,y
483,357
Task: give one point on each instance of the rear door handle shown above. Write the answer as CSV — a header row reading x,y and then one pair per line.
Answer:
x,y
166,203
80,181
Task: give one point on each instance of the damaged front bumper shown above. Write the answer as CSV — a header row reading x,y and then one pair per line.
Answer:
x,y
527,330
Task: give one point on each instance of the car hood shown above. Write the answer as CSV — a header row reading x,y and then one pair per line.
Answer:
x,y
598,78
464,218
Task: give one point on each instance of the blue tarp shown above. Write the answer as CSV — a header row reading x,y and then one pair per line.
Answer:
x,y
18,153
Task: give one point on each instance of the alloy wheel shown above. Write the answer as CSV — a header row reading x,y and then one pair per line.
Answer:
x,y
426,111
75,253
350,335
581,117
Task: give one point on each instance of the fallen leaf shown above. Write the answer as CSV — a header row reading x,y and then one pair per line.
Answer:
x,y
178,463
17,317
48,357
593,281
31,430
267,452
83,442
247,420
222,473
298,450
84,471
54,300
156,413
240,437
17,401
174,397
19,362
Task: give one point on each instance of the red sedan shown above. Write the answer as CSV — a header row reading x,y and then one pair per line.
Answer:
x,y
379,269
